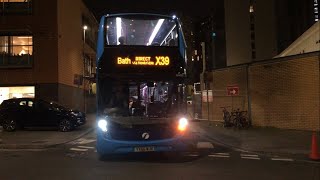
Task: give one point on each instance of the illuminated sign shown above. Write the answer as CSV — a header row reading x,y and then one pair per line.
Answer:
x,y
144,61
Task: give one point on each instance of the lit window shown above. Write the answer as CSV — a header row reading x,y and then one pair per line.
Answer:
x,y
15,6
16,50
251,10
12,1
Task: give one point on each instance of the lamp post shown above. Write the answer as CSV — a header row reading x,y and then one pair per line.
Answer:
x,y
84,67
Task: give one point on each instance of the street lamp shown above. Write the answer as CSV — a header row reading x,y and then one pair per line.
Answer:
x,y
85,28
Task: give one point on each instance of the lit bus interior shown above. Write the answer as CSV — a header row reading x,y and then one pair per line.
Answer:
x,y
141,30
153,99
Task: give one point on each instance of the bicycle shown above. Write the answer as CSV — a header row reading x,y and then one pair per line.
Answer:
x,y
240,119
227,120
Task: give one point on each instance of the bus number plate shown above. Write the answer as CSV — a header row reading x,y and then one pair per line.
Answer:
x,y
144,149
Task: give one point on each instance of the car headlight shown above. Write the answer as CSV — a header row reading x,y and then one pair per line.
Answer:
x,y
183,123
102,124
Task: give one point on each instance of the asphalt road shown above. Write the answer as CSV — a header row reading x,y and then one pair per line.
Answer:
x,y
78,160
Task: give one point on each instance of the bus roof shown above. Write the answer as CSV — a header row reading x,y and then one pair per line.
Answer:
x,y
147,14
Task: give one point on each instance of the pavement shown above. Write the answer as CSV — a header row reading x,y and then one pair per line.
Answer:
x,y
264,140
41,138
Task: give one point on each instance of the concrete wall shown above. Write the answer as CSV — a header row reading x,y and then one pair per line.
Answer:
x,y
238,31
283,93
70,41
265,29
309,41
237,28
71,96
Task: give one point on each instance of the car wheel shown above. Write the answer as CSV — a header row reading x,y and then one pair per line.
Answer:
x,y
65,125
9,125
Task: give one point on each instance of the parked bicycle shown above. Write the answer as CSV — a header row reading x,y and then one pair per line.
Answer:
x,y
236,118
227,120
240,119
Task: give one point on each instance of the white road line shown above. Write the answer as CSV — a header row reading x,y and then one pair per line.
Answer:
x,y
216,155
227,154
86,147
204,145
281,159
249,155
86,141
78,149
253,158
193,155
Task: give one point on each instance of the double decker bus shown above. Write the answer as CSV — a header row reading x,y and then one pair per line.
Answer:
x,y
141,98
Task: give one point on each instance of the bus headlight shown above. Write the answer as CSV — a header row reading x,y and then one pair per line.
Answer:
x,y
102,124
183,123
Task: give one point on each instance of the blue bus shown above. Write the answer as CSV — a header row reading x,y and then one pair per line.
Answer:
x,y
141,71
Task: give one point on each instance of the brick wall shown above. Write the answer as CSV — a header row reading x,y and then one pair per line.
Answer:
x,y
220,80
284,93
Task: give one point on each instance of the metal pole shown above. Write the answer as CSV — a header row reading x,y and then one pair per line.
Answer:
x,y
248,95
84,67
207,98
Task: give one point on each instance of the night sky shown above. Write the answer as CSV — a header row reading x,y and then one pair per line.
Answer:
x,y
198,8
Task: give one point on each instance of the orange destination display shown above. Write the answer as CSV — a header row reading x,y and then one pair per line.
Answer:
x,y
144,61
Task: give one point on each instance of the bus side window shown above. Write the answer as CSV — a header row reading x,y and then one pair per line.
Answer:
x,y
171,42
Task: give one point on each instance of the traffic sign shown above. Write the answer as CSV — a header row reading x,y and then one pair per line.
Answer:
x,y
233,90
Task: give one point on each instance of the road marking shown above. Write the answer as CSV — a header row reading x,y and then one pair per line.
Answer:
x,y
226,154
193,155
78,149
249,155
253,158
86,141
281,159
82,141
21,150
86,147
217,155
204,145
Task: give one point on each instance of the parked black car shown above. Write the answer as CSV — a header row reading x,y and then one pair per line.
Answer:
x,y
30,112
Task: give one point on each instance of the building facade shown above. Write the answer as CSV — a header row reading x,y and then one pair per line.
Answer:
x,y
45,50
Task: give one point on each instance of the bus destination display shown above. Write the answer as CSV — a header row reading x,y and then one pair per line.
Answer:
x,y
144,61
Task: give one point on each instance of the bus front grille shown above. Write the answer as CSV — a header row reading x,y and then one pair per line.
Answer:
x,y
142,132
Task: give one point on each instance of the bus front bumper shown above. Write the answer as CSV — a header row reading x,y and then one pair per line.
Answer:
x,y
106,145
